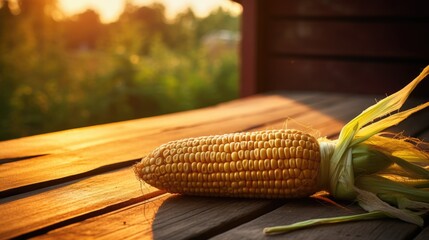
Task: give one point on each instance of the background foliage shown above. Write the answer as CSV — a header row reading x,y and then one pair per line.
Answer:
x,y
60,74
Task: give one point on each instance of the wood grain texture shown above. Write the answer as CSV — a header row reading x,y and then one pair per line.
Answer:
x,y
107,156
80,161
133,222
350,8
416,125
113,205
300,210
81,138
363,39
331,75
423,235
380,44
188,207
169,217
326,121
43,208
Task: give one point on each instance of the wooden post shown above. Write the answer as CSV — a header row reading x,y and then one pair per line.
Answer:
x,y
249,50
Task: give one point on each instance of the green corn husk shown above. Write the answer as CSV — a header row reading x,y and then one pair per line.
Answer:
x,y
388,177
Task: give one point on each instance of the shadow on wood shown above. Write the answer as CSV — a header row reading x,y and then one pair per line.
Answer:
x,y
181,217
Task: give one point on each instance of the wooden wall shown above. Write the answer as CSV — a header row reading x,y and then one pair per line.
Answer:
x,y
352,46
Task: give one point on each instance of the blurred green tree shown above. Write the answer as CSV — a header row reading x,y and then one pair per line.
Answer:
x,y
60,74
84,30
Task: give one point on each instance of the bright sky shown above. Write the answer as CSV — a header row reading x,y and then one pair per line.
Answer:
x,y
110,10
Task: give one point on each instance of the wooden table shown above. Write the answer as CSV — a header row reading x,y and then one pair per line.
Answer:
x,y
79,183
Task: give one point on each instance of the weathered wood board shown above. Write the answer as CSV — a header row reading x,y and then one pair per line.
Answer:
x,y
87,189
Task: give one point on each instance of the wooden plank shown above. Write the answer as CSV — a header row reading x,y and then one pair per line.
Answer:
x,y
369,39
69,140
169,217
187,205
304,209
47,170
336,116
326,121
41,170
339,114
350,8
89,197
130,222
380,29
424,234
58,205
380,229
293,73
416,124
425,135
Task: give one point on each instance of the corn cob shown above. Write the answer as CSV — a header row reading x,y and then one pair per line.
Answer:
x,y
263,164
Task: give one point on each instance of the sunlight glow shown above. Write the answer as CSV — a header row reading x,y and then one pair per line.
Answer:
x,y
110,10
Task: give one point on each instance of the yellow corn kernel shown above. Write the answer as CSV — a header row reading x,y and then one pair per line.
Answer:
x,y
263,164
